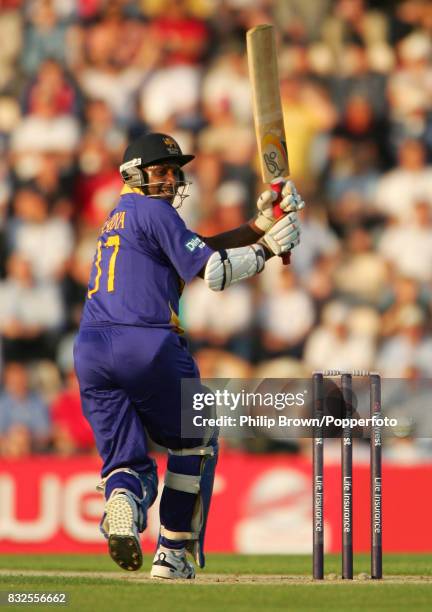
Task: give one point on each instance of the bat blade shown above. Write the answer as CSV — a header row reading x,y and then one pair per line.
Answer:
x,y
267,107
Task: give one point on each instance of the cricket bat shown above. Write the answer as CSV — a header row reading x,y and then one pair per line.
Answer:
x,y
267,109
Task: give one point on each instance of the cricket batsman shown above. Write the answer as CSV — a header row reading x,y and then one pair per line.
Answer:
x,y
130,356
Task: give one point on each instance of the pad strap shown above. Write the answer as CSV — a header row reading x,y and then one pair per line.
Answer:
x,y
188,483
178,535
197,450
102,484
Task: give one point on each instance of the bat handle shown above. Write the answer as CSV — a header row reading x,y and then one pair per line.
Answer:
x,y
277,187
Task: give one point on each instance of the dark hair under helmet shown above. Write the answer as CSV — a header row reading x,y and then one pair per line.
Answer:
x,y
155,148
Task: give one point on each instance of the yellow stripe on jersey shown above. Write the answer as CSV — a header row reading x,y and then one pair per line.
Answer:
x,y
175,321
126,189
98,270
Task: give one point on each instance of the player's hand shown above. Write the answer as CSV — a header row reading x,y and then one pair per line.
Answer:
x,y
291,202
284,235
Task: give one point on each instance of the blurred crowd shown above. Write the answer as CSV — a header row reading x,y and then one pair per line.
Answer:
x,y
78,79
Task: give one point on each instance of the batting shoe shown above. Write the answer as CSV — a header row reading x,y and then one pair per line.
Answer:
x,y
122,526
171,564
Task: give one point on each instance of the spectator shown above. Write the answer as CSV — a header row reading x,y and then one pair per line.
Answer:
x,y
308,112
317,241
99,181
50,182
208,170
362,273
357,79
227,83
320,281
45,36
71,431
45,241
30,314
409,347
222,320
410,88
17,443
11,32
301,19
214,363
368,132
415,258
43,131
351,21
229,211
182,36
51,79
333,345
102,77
100,122
74,284
406,18
217,138
158,105
22,408
287,315
404,292
411,181
408,399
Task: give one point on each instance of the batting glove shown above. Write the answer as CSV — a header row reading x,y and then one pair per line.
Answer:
x,y
291,201
284,235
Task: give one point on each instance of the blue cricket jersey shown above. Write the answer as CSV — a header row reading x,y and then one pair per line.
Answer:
x,y
144,255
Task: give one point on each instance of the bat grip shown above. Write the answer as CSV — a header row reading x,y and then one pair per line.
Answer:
x,y
278,213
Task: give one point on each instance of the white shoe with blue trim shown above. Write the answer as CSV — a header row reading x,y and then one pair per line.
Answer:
x,y
171,564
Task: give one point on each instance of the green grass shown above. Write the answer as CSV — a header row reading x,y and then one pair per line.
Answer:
x,y
95,594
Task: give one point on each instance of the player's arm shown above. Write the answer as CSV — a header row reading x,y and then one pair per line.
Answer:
x,y
241,236
228,266
250,232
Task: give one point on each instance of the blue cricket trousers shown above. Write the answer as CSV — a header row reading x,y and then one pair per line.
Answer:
x,y
130,381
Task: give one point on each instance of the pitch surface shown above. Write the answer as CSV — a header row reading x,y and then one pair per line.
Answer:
x,y
232,582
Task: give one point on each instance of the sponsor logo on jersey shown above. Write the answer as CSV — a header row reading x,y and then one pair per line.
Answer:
x,y
194,243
